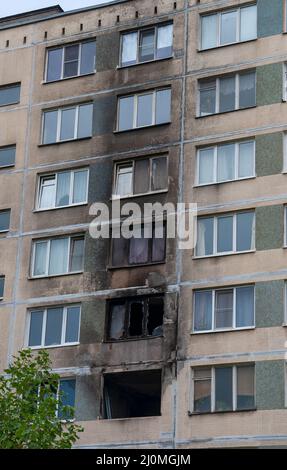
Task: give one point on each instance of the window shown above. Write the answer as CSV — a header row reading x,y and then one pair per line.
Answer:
x,y
67,389
228,27
224,388
71,61
10,94
227,233
4,220
135,317
139,249
56,326
223,309
132,394
227,93
2,284
7,156
226,162
147,44
66,124
145,109
58,256
67,188
141,176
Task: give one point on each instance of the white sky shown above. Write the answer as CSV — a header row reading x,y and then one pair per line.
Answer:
x,y
10,7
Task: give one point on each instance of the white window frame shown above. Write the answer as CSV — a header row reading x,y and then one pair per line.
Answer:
x,y
44,325
80,44
217,92
71,191
234,314
48,252
215,162
132,164
59,123
135,109
218,15
234,387
138,32
234,238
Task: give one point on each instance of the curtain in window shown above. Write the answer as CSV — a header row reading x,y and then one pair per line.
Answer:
x,y
47,193
77,254
244,306
245,231
207,97
63,189
246,159
164,41
248,23
223,389
224,309
72,324
202,390
228,27
226,162
59,256
227,94
88,57
68,117
40,258
80,186
203,311
225,234
247,87
54,326
138,252
159,173
129,48
163,106
208,31
85,124
245,387
117,321
205,166
204,244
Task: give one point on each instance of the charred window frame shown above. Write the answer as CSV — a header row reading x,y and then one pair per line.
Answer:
x,y
135,317
137,251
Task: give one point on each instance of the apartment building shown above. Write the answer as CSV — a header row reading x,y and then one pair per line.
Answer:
x,y
138,101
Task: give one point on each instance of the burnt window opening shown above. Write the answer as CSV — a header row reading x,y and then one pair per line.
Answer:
x,y
132,394
138,317
139,250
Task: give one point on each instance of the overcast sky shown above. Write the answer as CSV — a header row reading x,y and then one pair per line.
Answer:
x,y
10,7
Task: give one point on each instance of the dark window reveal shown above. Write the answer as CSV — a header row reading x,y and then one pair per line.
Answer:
x,y
135,317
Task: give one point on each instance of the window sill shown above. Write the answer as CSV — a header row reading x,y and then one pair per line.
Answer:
x,y
129,340
210,413
32,278
142,128
3,167
226,330
38,211
122,67
222,182
54,346
129,266
131,196
44,82
226,45
226,112
224,254
66,141
4,232
9,104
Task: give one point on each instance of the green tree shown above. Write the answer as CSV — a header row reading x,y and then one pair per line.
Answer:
x,y
29,405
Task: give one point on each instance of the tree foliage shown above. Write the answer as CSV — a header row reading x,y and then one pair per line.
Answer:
x,y
29,404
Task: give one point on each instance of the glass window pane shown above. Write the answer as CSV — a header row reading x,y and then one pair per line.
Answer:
x,y
71,69
208,31
40,258
54,326
142,176
227,94
158,243
117,321
164,41
35,332
244,306
245,231
228,27
77,254
120,251
72,52
54,64
202,391
203,311
68,117
246,159
248,23
144,117
223,389
71,60
207,98
204,245
68,394
224,309
226,162
245,388
138,252
9,95
146,47
124,183
206,166
47,192
7,156
2,285
159,174
163,106
58,256
72,324
85,124
4,220
50,127
247,96
225,234
129,48
126,113
63,189
88,57
80,186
